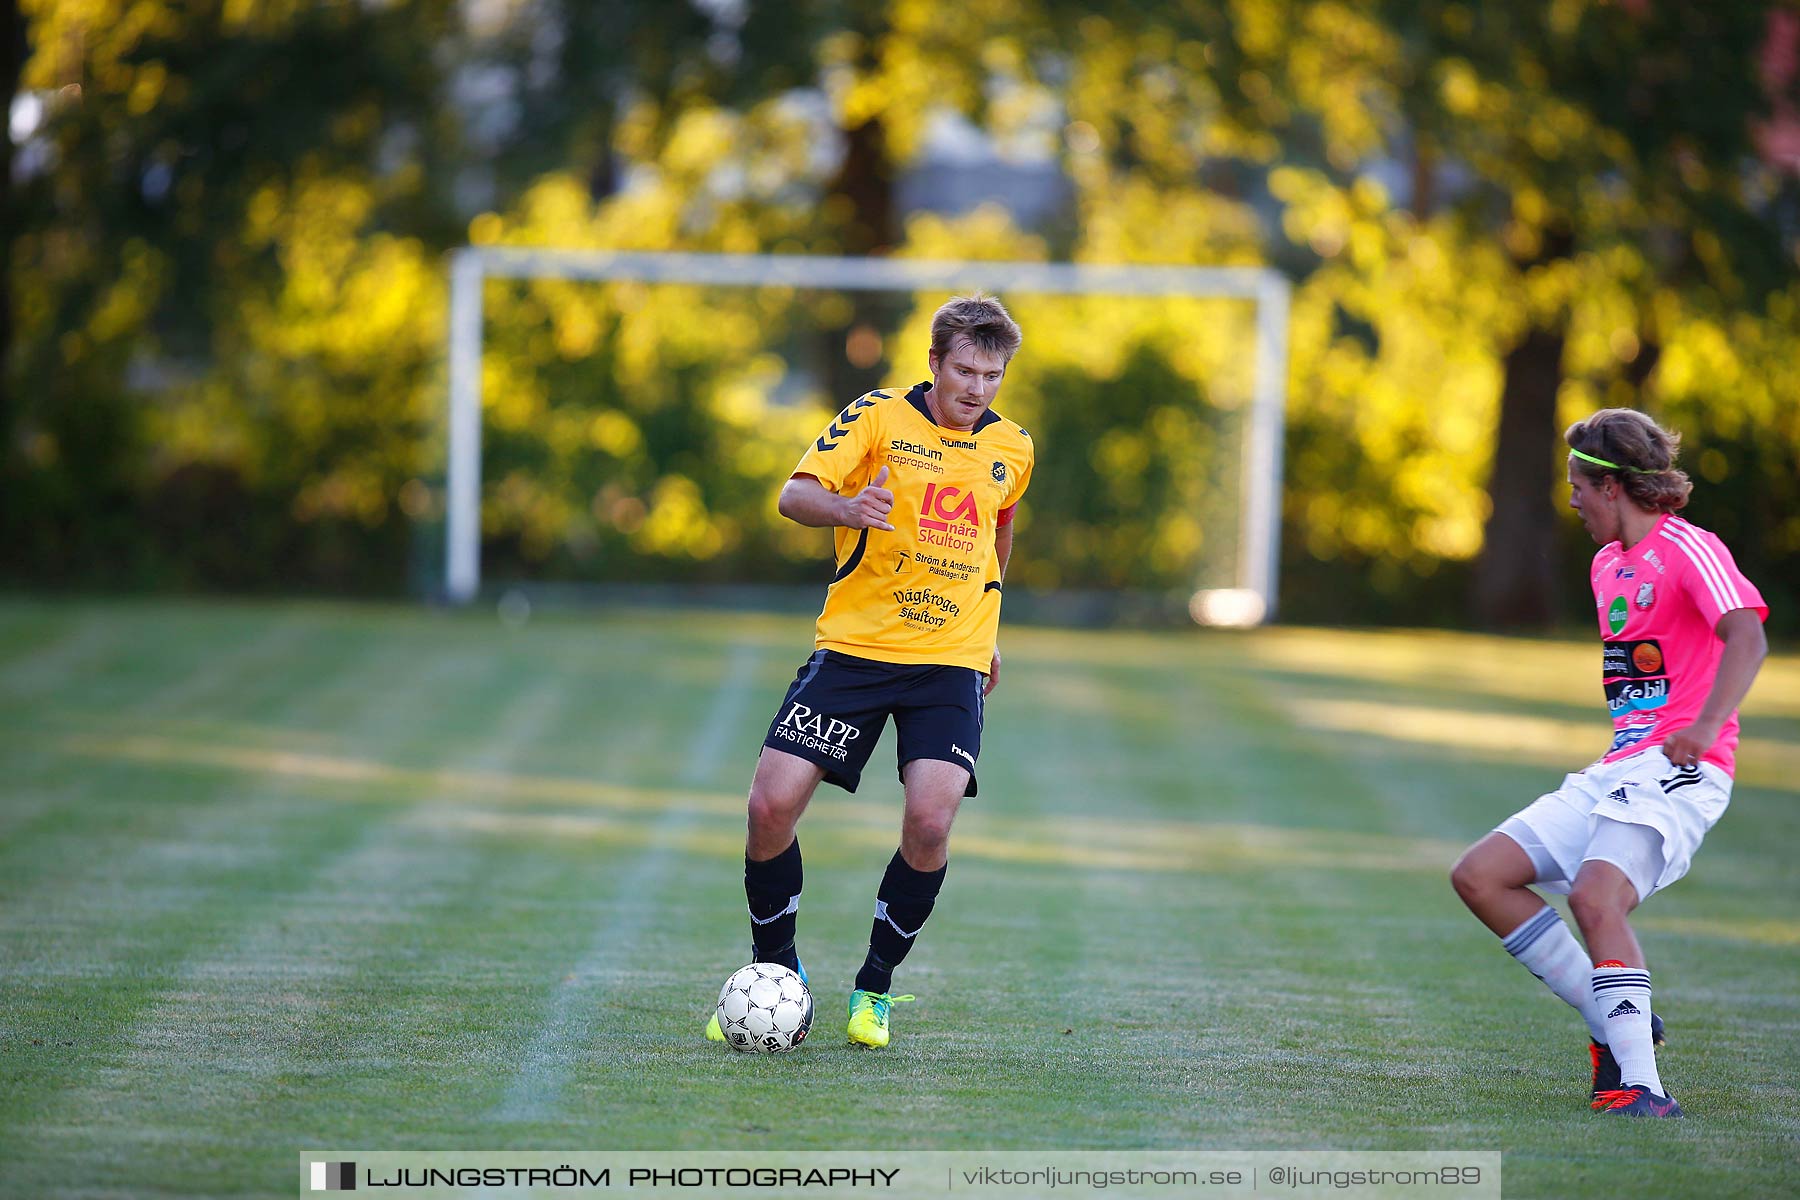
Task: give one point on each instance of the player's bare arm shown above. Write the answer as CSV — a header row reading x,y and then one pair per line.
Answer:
x,y
1003,544
1746,645
808,502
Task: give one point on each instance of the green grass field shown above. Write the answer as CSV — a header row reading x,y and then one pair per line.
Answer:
x,y
286,876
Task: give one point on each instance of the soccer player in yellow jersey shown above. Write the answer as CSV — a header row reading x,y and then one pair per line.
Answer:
x,y
919,489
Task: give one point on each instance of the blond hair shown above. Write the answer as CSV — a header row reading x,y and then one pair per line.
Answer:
x,y
981,320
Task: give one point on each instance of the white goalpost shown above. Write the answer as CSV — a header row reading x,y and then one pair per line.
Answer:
x,y
1250,602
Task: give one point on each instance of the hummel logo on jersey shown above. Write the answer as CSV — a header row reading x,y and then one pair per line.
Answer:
x,y
1619,795
958,750
1626,1009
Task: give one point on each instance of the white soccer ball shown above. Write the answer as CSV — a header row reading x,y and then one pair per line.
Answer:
x,y
764,1008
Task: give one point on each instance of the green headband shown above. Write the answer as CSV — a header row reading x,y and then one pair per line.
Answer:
x,y
1611,466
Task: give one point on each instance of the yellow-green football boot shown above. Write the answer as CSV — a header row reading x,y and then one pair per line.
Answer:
x,y
869,1017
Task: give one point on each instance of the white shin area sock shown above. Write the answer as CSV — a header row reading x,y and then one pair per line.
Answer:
x,y
1546,948
1622,998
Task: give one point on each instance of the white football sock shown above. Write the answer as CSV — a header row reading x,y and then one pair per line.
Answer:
x,y
1546,948
1622,998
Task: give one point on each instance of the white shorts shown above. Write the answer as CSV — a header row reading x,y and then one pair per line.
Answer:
x,y
1641,814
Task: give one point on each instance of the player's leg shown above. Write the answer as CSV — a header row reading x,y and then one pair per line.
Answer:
x,y
1623,864
779,793
914,876
1543,844
824,730
1601,901
1493,878
908,892
938,739
773,877
934,792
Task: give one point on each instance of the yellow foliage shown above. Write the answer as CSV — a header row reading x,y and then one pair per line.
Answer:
x,y
1459,87
73,38
1180,538
614,432
520,504
146,88
128,300
353,492
701,138
678,524
742,400
339,341
987,232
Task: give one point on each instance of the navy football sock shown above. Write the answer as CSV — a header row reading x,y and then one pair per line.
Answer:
x,y
904,900
773,891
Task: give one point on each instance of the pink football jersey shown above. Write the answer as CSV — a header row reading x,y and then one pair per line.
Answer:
x,y
1658,603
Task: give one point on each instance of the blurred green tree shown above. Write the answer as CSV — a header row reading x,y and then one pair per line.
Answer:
x,y
1621,131
1594,169
141,257
227,300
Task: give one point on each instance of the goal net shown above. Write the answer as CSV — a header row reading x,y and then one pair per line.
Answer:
x,y
1155,393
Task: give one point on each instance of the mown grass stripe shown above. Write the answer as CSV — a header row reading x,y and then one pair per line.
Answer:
x,y
54,650
146,948
270,1003
542,1074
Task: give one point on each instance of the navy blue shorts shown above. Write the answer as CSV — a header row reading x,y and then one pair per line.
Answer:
x,y
839,704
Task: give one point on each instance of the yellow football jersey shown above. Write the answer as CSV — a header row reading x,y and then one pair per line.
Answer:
x,y
929,592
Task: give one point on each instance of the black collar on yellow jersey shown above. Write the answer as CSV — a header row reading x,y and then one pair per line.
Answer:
x,y
916,398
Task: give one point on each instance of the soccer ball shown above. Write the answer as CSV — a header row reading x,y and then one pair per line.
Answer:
x,y
764,1008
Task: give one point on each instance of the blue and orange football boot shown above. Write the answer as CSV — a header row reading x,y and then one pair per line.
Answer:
x,y
1606,1067
1636,1101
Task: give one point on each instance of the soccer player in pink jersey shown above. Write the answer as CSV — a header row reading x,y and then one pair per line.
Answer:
x,y
1682,637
